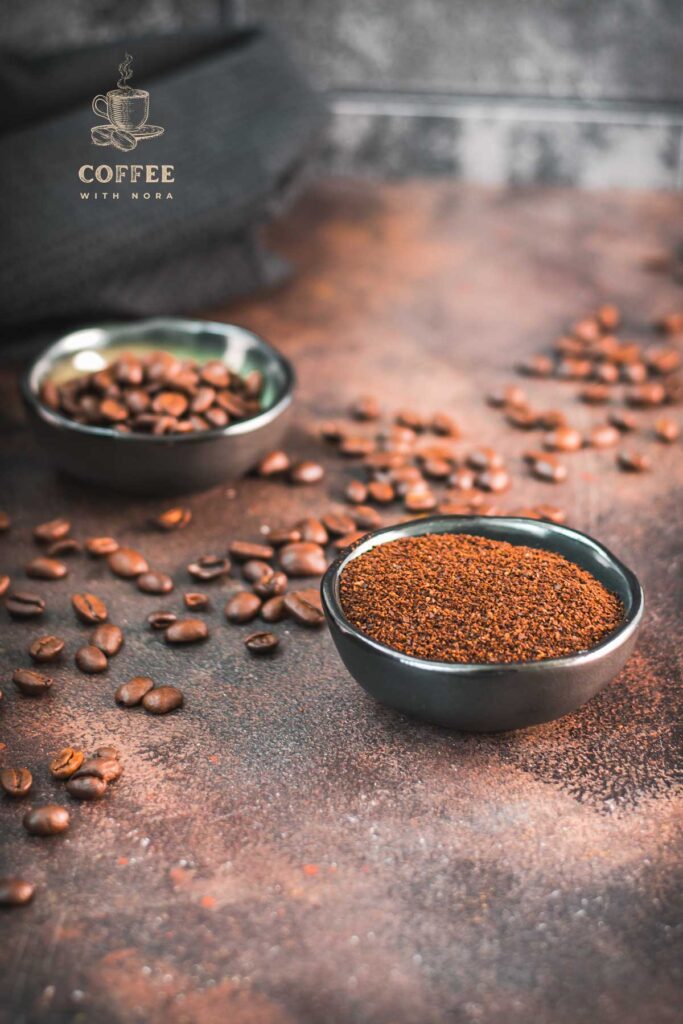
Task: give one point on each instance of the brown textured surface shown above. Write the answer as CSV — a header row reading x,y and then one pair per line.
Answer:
x,y
283,850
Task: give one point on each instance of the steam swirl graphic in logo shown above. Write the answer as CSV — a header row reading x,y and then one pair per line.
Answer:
x,y
126,111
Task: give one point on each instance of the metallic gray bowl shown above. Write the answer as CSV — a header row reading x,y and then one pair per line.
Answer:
x,y
168,464
489,697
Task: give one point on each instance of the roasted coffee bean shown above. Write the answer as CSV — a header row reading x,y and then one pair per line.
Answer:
x,y
521,416
353,446
261,643
313,531
16,781
663,359
108,638
215,373
89,608
274,610
66,762
303,559
15,892
672,323
332,430
512,394
209,567
106,768
412,419
366,408
551,513
547,467
162,699
132,692
91,659
608,317
536,366
271,585
306,472
552,419
444,424
173,519
462,479
278,538
485,458
161,619
255,569
48,820
303,611
667,430
494,480
634,462
51,531
127,563
113,411
31,683
356,492
5,521
273,464
378,490
419,501
634,373
170,403
46,569
645,395
366,517
606,373
65,546
435,469
245,551
86,787
337,523
99,547
46,648
22,605
107,751
604,436
595,394
564,439
186,631
242,607
623,420
153,582
5,583
196,601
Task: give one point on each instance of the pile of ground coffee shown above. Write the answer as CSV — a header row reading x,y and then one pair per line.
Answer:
x,y
460,598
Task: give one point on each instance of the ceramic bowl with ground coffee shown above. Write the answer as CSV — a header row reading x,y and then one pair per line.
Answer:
x,y
482,623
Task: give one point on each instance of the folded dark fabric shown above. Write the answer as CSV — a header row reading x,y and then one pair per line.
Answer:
x,y
239,122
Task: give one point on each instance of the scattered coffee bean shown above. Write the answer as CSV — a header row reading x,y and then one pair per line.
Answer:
x,y
15,892
46,569
91,659
667,430
131,693
5,583
564,439
242,607
51,531
274,609
271,585
22,605
186,631
380,491
46,648
127,562
48,820
604,436
306,472
302,610
195,601
16,782
278,538
173,519
86,787
209,567
106,768
547,467
31,683
337,523
634,462
623,420
107,751
419,501
255,569
66,762
537,366
154,583
366,408
365,517
303,559
89,608
162,699
313,531
341,543
521,416
161,619
108,638
485,458
99,547
494,480
261,643
353,447
356,492
650,394
244,551
273,464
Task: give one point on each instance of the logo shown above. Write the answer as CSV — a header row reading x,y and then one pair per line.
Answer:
x,y
126,111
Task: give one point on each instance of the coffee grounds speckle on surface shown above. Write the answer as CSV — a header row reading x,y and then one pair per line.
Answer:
x,y
461,598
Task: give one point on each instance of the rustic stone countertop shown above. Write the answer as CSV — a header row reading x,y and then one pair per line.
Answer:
x,y
283,849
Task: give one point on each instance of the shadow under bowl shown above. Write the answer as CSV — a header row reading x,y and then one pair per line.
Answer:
x,y
171,463
489,697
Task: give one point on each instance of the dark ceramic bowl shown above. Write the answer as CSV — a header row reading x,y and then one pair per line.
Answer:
x,y
142,463
489,697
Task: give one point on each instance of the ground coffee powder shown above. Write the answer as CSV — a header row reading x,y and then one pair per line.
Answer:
x,y
461,598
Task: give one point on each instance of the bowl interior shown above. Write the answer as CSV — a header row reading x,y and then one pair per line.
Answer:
x,y
573,545
94,348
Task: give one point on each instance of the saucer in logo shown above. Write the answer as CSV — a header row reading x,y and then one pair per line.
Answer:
x,y
126,111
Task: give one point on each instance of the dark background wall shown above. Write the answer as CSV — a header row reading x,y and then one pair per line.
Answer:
x,y
559,91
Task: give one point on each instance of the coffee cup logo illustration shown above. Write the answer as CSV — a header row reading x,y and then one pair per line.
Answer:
x,y
126,111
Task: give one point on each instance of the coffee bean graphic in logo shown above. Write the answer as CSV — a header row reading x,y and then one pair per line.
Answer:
x,y
126,112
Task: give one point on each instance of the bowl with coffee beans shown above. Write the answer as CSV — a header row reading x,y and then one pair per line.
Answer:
x,y
159,406
482,623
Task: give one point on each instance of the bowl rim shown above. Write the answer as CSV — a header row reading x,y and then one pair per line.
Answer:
x,y
330,597
193,326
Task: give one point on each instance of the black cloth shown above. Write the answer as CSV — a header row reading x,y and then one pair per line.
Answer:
x,y
239,123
